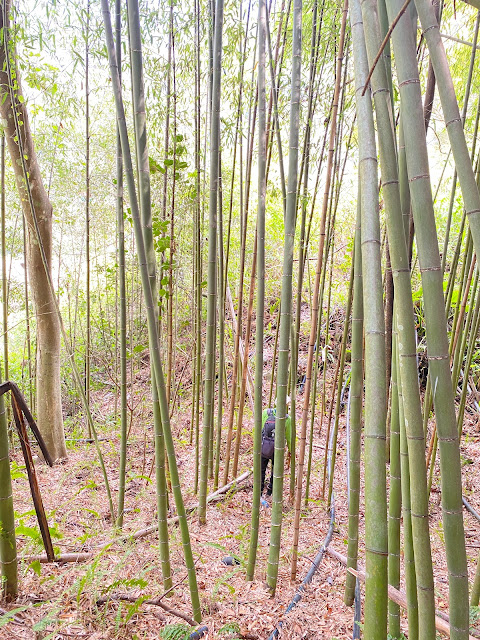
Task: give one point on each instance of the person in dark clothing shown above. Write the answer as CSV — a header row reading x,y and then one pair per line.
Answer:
x,y
268,445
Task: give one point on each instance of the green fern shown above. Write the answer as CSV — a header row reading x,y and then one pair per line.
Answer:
x,y
230,629
177,631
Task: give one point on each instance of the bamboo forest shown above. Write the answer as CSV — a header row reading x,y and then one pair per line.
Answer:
x,y
240,319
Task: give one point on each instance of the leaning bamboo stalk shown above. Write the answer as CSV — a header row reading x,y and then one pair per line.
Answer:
x,y
150,309
404,45
134,30
407,374
441,624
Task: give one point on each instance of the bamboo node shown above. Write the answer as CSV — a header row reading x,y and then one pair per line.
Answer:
x,y
422,176
447,124
374,93
387,182
377,552
452,512
432,26
411,81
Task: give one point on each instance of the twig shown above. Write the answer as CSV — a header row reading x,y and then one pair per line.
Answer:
x,y
384,44
156,602
13,618
66,557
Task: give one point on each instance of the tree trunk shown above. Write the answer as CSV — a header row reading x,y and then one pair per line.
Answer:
x,y
49,403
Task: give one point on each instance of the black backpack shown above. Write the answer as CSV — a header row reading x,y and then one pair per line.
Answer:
x,y
268,436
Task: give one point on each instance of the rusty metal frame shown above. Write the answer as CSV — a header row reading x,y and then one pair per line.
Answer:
x,y
20,413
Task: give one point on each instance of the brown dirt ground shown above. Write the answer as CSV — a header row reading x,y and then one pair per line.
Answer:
x,y
60,602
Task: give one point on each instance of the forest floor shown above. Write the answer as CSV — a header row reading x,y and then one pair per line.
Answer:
x,y
59,601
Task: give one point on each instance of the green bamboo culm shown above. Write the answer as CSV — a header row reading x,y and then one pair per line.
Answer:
x,y
376,600
286,302
406,342
151,318
259,333
395,498
404,46
343,351
475,595
221,333
122,325
356,393
212,262
8,544
408,551
143,172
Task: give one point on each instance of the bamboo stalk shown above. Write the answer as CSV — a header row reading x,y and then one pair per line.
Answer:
x,y
150,309
286,302
441,624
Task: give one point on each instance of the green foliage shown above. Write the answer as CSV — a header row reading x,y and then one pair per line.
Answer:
x,y
230,629
474,615
176,631
9,615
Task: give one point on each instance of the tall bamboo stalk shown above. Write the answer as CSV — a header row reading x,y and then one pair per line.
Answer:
x,y
356,393
432,280
134,31
406,345
87,207
260,310
4,257
313,326
286,302
375,392
122,323
150,310
395,498
221,328
8,545
212,262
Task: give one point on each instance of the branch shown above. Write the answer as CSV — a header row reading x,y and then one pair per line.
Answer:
x,y
384,44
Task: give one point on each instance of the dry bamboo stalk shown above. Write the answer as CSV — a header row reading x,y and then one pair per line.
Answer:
x,y
241,347
66,557
442,623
